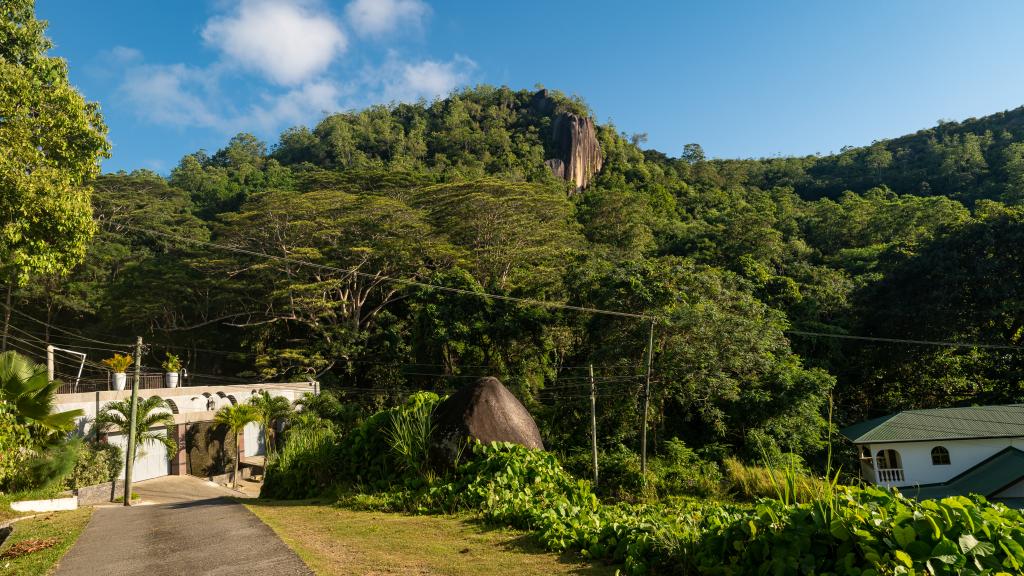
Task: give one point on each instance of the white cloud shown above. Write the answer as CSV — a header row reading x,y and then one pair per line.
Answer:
x,y
121,55
296,106
186,97
381,17
173,94
286,42
409,81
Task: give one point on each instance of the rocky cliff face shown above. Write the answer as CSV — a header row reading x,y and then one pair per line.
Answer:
x,y
576,153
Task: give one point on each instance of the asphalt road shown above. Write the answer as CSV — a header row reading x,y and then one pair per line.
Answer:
x,y
186,527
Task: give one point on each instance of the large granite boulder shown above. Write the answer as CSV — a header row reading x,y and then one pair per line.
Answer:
x,y
576,152
486,411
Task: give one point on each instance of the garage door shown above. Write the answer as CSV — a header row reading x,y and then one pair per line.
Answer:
x,y
151,461
254,439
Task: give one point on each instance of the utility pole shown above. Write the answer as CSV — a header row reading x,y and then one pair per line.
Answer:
x,y
647,401
130,455
7,313
593,420
50,365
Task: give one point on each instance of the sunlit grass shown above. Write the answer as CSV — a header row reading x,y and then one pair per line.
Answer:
x,y
65,527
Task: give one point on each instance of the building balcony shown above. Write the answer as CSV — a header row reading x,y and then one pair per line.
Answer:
x,y
890,475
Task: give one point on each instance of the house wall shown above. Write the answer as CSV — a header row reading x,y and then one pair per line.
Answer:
x,y
916,458
191,404
253,440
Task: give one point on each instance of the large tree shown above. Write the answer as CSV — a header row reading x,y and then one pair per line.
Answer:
x,y
52,143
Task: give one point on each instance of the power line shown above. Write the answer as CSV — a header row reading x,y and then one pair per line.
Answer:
x,y
905,341
59,329
393,280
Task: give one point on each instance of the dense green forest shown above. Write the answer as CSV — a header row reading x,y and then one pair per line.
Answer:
x,y
912,238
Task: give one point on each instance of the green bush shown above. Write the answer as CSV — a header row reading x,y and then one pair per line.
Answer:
x,y
680,471
619,474
316,457
303,468
865,531
97,464
46,466
14,442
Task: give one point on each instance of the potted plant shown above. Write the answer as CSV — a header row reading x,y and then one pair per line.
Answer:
x,y
119,363
172,366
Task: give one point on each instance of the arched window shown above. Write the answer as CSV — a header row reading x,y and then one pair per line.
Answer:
x,y
940,456
888,459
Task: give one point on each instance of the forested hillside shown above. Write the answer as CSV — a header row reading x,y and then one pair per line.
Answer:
x,y
914,238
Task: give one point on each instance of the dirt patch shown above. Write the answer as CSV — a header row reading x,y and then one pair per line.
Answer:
x,y
27,547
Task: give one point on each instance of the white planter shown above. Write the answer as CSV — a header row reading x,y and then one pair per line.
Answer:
x,y
53,505
171,380
120,379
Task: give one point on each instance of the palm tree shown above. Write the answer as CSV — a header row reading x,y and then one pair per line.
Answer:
x,y
26,386
325,404
271,409
235,417
116,414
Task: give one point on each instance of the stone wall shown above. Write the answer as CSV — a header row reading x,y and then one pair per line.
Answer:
x,y
99,493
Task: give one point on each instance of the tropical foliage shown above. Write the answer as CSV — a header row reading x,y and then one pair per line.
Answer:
x,y
236,417
271,411
843,531
25,387
152,422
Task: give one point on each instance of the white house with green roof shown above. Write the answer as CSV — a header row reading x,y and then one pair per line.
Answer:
x,y
945,451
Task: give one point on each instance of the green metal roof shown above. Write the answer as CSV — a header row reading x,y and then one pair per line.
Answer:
x,y
990,476
941,424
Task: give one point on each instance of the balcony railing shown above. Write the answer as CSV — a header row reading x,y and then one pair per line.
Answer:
x,y
889,475
146,382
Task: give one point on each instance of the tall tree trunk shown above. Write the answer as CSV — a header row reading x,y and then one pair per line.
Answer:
x,y
238,462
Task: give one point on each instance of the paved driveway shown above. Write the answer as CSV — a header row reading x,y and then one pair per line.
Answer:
x,y
186,526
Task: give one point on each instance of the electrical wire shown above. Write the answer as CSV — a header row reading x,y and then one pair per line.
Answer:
x,y
59,329
906,341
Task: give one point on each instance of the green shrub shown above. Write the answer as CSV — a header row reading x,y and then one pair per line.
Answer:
x,y
46,466
316,456
619,474
303,468
14,445
97,464
680,471
865,531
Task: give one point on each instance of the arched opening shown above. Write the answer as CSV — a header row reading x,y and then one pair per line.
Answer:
x,y
889,466
940,456
231,397
173,405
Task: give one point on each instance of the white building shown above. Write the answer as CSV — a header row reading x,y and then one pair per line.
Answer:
x,y
945,451
189,405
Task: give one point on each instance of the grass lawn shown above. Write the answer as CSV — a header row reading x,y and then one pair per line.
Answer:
x,y
335,541
62,526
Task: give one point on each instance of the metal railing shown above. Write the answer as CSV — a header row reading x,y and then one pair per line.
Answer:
x,y
148,381
886,475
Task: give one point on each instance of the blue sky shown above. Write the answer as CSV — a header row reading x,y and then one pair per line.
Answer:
x,y
742,78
